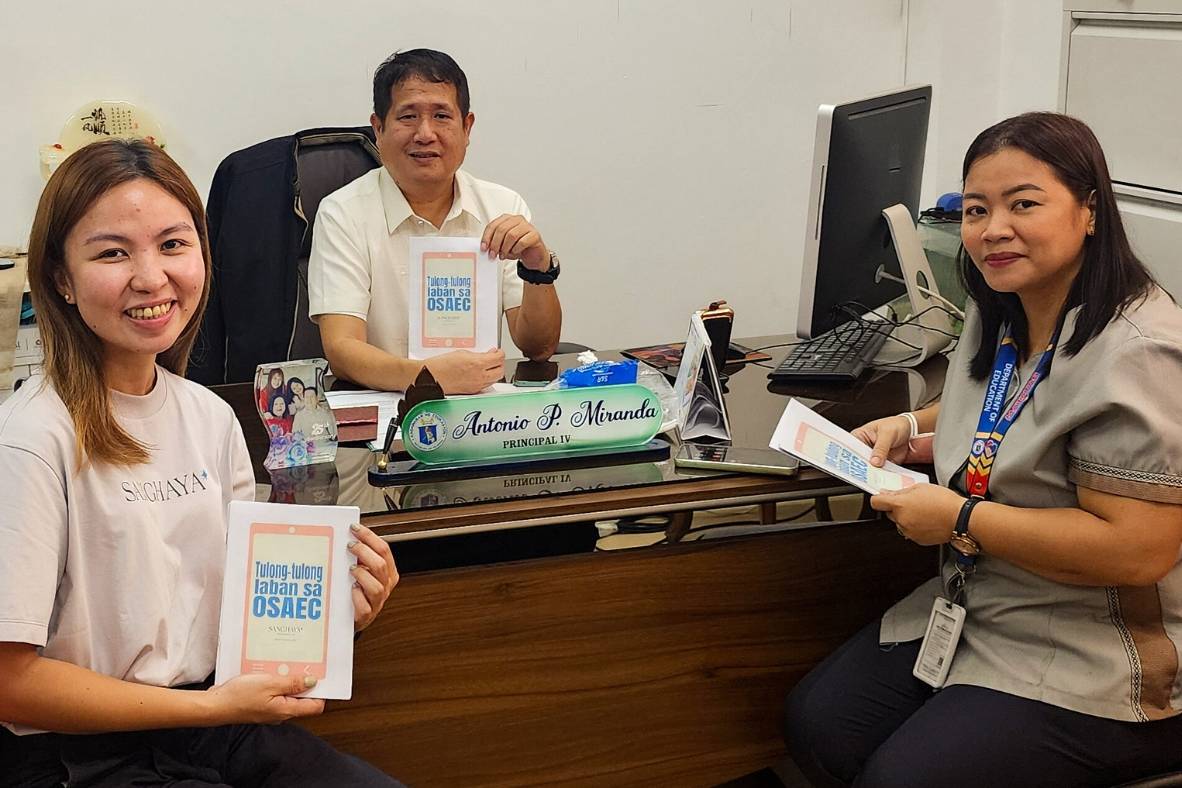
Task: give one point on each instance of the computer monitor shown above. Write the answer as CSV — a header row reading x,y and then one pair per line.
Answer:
x,y
867,156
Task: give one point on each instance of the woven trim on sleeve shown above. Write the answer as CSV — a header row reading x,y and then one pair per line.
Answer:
x,y
1160,487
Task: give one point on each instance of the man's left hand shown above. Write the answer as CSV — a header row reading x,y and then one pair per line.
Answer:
x,y
924,513
374,577
511,237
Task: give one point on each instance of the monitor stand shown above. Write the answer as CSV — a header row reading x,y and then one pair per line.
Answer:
x,y
929,330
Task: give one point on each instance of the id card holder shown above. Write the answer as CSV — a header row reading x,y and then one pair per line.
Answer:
x,y
939,643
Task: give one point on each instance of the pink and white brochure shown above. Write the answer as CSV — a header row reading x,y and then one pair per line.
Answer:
x,y
454,296
811,437
287,603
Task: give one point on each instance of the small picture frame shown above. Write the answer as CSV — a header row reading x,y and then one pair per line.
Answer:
x,y
290,399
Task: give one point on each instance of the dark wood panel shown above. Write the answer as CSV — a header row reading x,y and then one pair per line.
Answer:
x,y
661,665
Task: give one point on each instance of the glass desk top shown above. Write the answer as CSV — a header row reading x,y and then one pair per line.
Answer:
x,y
754,405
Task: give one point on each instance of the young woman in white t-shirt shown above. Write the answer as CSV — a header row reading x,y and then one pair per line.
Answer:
x,y
112,530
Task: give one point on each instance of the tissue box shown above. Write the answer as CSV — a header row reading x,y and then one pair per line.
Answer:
x,y
601,373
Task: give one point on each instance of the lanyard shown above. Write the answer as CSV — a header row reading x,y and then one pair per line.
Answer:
x,y
992,427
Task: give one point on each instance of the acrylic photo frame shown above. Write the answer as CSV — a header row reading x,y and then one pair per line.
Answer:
x,y
300,425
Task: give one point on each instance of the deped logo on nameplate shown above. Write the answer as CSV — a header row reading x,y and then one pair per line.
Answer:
x,y
426,430
535,423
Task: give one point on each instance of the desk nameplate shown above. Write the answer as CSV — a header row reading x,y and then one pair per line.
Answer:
x,y
532,424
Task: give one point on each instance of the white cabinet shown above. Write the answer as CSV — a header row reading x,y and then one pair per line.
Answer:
x,y
1154,224
1121,65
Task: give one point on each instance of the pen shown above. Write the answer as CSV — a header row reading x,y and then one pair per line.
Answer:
x,y
391,429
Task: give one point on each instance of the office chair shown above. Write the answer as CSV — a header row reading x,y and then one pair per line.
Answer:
x,y
262,206
324,163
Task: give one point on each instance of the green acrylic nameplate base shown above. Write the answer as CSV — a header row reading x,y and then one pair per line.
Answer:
x,y
493,430
498,426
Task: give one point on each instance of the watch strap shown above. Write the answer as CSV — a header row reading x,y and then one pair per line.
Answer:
x,y
962,541
546,277
962,519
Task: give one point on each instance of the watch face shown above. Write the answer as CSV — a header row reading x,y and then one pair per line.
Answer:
x,y
965,545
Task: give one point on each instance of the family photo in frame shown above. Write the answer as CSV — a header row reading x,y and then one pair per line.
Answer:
x,y
291,402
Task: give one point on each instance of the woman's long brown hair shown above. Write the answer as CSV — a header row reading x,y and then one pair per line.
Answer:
x,y
73,352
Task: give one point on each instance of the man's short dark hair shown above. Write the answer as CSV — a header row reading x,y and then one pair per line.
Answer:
x,y
426,64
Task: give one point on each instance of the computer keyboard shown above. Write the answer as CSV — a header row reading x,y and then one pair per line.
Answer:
x,y
839,355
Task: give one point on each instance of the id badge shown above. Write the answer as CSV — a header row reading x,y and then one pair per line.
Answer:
x,y
939,643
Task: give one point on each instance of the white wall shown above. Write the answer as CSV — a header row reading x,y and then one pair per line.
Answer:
x,y
663,146
985,62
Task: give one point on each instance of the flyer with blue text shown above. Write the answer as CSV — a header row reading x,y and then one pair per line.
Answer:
x,y
454,297
808,436
287,604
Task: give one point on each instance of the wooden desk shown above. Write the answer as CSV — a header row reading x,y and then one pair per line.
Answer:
x,y
664,665
657,666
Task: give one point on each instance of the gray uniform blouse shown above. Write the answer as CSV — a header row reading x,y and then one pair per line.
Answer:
x,y
1107,419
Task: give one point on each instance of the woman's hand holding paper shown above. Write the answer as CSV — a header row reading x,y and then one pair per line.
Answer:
x,y
890,438
262,699
924,513
374,577
887,437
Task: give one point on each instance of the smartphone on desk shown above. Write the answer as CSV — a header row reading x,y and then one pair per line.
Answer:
x,y
534,373
735,459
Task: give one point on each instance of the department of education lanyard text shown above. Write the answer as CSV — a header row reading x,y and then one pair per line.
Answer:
x,y
994,423
991,431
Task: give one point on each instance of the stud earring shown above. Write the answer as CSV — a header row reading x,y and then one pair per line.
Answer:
x,y
69,298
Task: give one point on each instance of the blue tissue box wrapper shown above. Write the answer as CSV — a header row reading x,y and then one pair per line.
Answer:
x,y
601,373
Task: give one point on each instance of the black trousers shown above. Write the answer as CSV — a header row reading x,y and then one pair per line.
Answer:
x,y
230,755
860,718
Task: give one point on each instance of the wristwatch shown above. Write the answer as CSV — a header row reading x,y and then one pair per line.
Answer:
x,y
546,277
962,541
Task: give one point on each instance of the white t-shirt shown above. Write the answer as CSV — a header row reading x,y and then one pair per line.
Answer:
x,y
360,259
119,568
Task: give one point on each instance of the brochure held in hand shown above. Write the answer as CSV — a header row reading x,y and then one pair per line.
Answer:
x,y
808,436
454,297
287,602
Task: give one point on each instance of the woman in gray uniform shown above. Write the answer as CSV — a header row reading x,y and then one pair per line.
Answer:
x,y
1051,648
